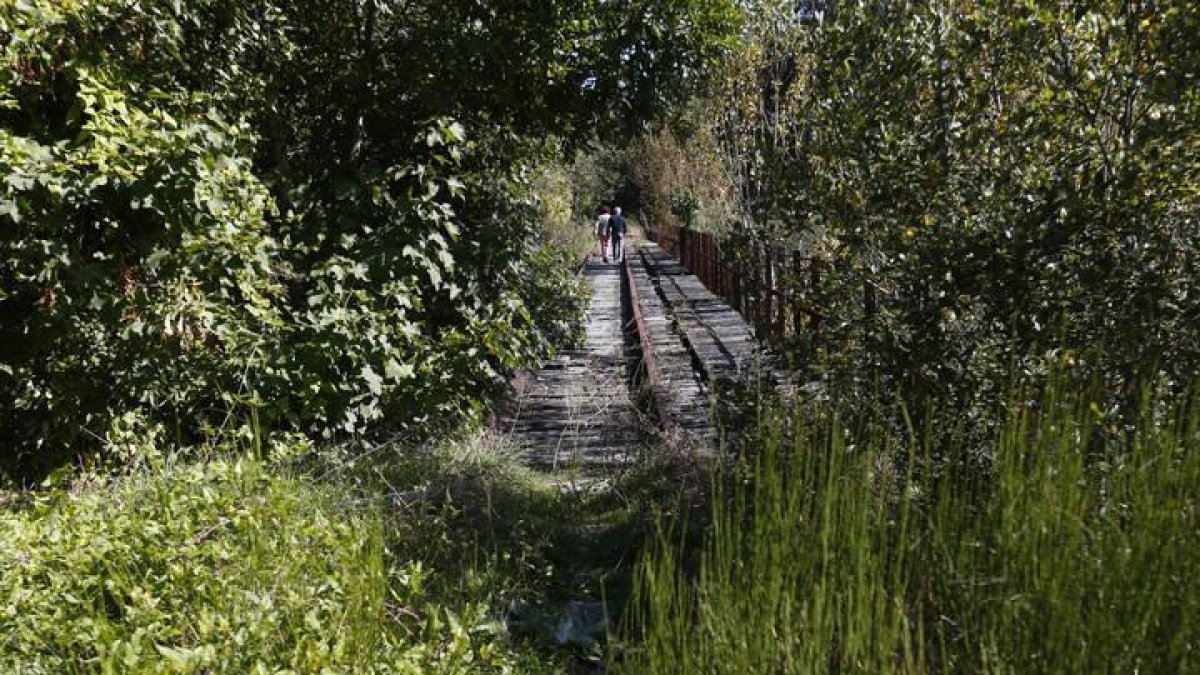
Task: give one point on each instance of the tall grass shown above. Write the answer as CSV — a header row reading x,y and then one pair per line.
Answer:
x,y
1075,550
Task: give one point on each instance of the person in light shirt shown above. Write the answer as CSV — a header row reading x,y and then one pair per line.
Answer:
x,y
602,231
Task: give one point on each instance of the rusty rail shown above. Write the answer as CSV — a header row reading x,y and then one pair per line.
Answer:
x,y
649,362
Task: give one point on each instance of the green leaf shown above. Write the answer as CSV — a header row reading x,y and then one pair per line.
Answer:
x,y
374,382
396,371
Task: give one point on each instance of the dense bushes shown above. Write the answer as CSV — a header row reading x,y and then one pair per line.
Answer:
x,y
996,194
136,260
985,184
682,180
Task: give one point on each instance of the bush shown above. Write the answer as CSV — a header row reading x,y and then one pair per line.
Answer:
x,y
223,567
135,258
225,215
985,183
146,269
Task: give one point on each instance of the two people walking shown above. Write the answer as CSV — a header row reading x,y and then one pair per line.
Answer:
x,y
610,231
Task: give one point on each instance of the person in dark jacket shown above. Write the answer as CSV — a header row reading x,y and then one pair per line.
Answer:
x,y
616,229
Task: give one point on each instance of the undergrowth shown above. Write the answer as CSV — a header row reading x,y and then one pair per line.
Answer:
x,y
529,543
452,559
1074,548
230,566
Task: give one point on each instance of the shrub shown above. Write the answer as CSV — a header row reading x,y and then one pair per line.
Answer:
x,y
145,268
219,215
223,567
984,182
135,257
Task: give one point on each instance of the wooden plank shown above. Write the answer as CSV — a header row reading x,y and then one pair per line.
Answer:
x,y
575,413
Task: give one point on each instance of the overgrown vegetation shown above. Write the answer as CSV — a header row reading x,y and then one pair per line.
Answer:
x,y
832,550
682,178
981,184
448,560
312,218
257,257
230,566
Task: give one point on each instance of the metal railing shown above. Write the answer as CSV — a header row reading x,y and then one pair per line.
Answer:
x,y
775,289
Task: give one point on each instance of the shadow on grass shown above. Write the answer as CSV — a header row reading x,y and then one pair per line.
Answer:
x,y
535,550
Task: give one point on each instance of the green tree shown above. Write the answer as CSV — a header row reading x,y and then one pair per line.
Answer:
x,y
988,184
135,255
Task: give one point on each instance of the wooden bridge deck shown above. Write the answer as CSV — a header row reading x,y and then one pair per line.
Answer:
x,y
577,413
720,340
681,397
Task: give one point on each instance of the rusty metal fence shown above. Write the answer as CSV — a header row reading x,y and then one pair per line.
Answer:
x,y
775,289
